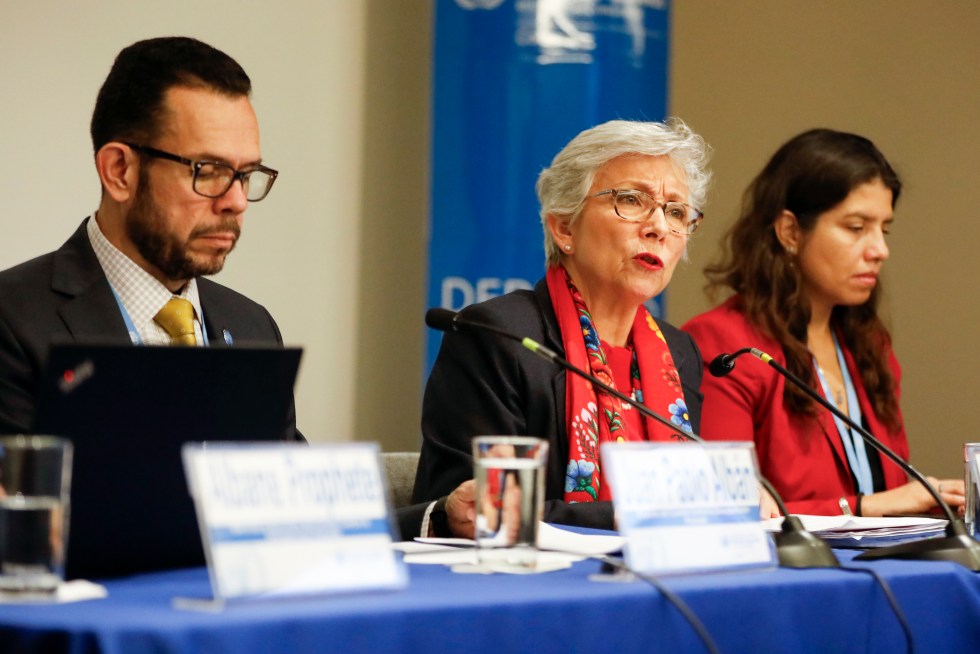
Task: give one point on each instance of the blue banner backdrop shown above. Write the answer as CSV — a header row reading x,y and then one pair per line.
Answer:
x,y
514,81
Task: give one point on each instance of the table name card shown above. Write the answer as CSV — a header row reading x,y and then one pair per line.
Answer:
x,y
684,507
282,519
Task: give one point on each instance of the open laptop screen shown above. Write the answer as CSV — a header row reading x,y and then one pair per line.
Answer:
x,y
128,410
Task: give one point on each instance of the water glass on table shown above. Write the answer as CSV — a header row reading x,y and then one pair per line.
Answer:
x,y
35,481
972,504
509,472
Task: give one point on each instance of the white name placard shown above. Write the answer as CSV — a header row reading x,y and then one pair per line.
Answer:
x,y
283,519
685,507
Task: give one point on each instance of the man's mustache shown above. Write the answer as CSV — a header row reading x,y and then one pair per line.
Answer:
x,y
224,228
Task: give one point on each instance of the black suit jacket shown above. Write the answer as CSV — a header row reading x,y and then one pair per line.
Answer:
x,y
64,297
483,384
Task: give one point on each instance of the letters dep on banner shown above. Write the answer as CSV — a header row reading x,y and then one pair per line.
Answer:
x,y
684,507
283,519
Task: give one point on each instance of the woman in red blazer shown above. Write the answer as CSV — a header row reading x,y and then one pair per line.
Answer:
x,y
803,260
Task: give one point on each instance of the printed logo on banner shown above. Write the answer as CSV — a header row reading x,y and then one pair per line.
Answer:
x,y
564,30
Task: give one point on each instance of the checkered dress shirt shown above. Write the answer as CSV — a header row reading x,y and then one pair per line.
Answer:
x,y
141,295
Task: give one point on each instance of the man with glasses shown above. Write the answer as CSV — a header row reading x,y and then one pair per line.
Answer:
x,y
177,152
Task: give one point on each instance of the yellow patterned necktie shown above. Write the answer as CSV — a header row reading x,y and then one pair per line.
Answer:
x,y
177,317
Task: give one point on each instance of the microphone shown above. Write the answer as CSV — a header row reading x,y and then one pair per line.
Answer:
x,y
795,546
957,545
723,364
442,320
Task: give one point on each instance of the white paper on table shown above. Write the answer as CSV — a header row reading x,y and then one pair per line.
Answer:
x,y
561,540
559,548
870,530
464,559
77,590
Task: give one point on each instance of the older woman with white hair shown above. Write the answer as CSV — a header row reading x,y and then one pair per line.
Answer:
x,y
618,206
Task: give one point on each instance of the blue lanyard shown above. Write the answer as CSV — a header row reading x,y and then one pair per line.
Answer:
x,y
134,334
857,453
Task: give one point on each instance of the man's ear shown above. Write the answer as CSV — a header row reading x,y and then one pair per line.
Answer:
x,y
118,168
788,232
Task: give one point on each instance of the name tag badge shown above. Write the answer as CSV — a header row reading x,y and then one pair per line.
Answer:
x,y
684,507
288,519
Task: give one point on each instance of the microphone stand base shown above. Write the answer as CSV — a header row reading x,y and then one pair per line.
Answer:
x,y
956,546
798,548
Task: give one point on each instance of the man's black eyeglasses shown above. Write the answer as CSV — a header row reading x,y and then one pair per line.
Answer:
x,y
212,179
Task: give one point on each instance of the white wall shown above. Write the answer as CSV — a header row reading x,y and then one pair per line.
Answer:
x,y
299,254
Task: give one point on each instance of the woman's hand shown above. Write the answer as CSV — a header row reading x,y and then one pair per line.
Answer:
x,y
913,498
767,505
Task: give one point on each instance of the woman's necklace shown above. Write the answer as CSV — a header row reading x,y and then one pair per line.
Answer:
x,y
836,389
823,349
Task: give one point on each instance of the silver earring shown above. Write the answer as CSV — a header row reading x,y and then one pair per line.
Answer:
x,y
568,248
791,250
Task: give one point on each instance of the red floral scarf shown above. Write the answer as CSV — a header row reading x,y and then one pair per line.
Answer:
x,y
592,419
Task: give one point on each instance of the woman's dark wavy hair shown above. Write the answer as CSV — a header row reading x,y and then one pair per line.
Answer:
x,y
810,174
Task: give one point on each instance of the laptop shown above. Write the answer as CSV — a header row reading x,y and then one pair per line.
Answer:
x,y
128,410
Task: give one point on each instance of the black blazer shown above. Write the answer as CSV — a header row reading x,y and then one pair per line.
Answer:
x,y
64,297
483,384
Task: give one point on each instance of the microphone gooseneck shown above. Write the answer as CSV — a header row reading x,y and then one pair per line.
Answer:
x,y
795,546
956,546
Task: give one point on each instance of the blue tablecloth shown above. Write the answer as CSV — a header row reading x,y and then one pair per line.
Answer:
x,y
769,611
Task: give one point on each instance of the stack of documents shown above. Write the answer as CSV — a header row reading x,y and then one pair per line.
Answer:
x,y
860,532
558,548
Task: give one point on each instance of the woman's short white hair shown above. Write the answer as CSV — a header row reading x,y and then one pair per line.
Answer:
x,y
563,186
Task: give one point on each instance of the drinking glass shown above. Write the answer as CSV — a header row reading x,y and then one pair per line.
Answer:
x,y
35,480
509,472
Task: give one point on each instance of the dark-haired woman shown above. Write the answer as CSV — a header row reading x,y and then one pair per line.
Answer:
x,y
804,260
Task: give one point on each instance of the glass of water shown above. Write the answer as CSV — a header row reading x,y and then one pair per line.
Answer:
x,y
35,481
972,513
509,473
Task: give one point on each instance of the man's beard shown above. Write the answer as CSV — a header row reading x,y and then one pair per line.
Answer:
x,y
145,228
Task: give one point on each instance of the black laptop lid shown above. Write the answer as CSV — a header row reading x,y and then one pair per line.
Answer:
x,y
128,410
